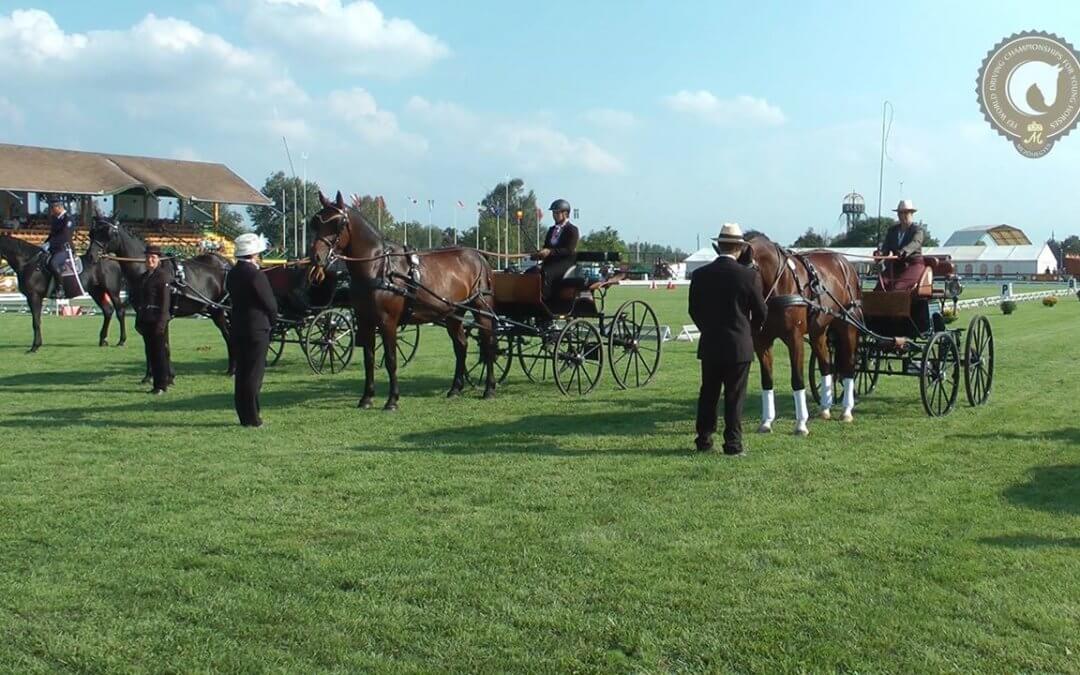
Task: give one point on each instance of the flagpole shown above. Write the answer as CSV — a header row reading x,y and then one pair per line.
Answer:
x,y
455,225
430,208
478,227
406,222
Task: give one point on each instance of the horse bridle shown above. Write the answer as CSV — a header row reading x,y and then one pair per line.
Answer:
x,y
332,245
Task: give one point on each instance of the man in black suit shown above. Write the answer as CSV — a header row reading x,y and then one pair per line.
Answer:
x,y
904,241
728,306
559,252
153,312
254,311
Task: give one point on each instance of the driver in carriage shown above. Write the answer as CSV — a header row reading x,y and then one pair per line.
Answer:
x,y
559,252
904,241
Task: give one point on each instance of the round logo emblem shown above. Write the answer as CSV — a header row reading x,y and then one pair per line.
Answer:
x,y
1029,90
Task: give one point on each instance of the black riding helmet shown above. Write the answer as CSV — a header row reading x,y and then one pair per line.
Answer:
x,y
560,205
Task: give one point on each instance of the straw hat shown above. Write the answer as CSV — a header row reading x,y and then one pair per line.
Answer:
x,y
905,205
730,233
249,244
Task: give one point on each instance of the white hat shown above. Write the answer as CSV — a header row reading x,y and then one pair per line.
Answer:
x,y
730,233
905,205
249,243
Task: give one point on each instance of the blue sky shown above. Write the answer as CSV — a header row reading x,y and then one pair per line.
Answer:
x,y
662,119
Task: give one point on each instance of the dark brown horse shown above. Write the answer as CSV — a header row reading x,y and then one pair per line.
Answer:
x,y
101,279
807,295
392,287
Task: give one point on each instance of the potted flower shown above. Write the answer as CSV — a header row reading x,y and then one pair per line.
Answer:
x,y
1008,307
1050,301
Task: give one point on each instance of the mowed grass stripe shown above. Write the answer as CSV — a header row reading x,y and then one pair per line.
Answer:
x,y
534,532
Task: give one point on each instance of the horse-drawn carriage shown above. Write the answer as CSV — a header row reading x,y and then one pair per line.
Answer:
x,y
564,338
906,333
319,318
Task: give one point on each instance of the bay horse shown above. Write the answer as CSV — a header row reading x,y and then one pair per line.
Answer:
x,y
200,281
807,294
101,279
391,287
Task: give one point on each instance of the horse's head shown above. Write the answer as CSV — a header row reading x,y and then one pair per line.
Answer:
x,y
104,235
330,232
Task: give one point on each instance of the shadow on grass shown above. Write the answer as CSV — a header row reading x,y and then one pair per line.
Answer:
x,y
169,410
1031,541
1049,488
1068,434
540,434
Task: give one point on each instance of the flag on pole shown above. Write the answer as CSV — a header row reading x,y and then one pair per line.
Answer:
x,y
414,200
461,204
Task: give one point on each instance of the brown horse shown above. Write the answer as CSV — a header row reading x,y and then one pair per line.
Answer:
x,y
807,294
392,287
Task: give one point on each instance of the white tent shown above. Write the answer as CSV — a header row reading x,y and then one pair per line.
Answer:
x,y
698,258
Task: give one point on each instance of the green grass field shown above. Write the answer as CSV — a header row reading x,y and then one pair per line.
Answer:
x,y
533,532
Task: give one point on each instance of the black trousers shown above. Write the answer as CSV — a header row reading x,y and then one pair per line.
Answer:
x,y
157,354
731,377
250,352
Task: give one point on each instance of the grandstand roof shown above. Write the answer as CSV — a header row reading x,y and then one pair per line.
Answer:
x,y
26,168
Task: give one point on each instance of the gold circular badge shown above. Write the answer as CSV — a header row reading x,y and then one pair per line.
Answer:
x,y
1029,90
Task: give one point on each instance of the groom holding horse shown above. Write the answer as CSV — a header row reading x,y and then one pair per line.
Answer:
x,y
728,306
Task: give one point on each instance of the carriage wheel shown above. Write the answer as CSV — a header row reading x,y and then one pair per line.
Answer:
x,y
328,341
408,339
277,346
634,343
474,361
979,361
867,370
579,357
535,356
939,379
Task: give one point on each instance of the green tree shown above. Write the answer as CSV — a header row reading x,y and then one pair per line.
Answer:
x,y
503,199
811,239
604,240
1071,244
288,195
373,209
864,234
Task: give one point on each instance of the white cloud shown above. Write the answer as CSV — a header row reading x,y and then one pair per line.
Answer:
x,y
359,110
611,119
440,113
734,112
540,147
353,36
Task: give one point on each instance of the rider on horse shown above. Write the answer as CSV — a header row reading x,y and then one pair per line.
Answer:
x,y
905,241
58,245
559,252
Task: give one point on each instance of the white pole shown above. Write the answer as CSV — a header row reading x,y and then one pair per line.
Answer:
x,y
284,249
455,224
478,229
304,157
430,207
295,228
405,224
506,239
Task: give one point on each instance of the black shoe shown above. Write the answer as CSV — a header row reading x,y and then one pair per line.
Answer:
x,y
703,443
157,392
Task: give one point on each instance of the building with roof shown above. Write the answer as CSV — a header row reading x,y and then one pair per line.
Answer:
x,y
989,235
134,185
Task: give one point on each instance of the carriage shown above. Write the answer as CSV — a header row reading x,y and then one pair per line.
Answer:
x,y
568,338
319,318
906,333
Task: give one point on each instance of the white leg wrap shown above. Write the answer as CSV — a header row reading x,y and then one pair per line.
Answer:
x,y
768,410
801,412
826,391
849,397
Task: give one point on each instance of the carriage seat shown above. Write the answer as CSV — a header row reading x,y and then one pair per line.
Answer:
x,y
571,281
925,289
942,265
